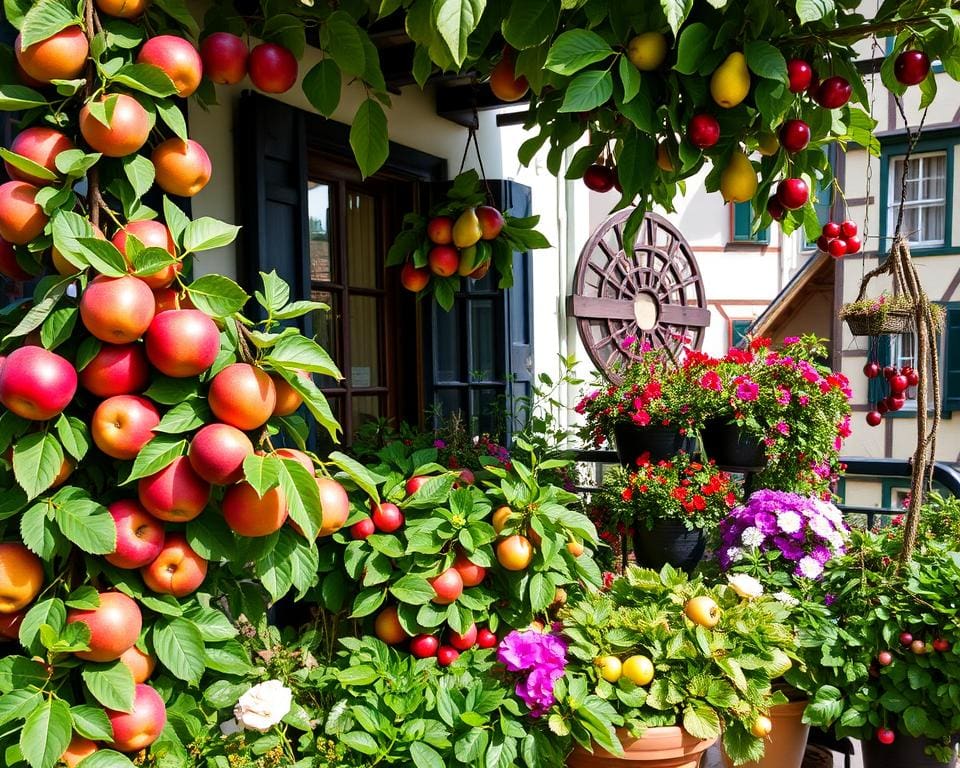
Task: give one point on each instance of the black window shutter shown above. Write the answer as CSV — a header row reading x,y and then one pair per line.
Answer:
x,y
951,373
272,189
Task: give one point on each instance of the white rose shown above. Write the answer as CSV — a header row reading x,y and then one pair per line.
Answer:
x,y
745,586
263,706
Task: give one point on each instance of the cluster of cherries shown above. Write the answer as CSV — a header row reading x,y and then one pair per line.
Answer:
x,y
601,178
897,380
428,646
840,240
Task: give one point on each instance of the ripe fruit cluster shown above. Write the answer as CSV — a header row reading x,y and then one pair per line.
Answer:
x,y
898,381
638,669
840,240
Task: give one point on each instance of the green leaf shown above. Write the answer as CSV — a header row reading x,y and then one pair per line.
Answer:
x,y
206,233
103,256
576,49
212,624
275,567
27,165
179,648
693,45
158,454
58,327
361,742
46,733
357,472
14,98
37,458
455,20
16,10
298,353
303,497
413,589
18,672
262,472
85,597
176,220
76,163
139,172
111,684
42,309
178,10
106,758
542,591
701,720
44,20
587,91
676,12
91,723
766,61
368,601
529,24
286,30
88,525
345,43
173,118
147,79
184,417
168,391
217,295
368,137
630,77
17,704
321,86
813,10
422,65
299,309
50,612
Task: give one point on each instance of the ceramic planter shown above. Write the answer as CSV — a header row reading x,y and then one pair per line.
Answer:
x,y
669,747
905,752
668,541
632,441
731,447
785,745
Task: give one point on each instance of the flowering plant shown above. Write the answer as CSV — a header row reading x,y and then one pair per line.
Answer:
x,y
543,657
683,488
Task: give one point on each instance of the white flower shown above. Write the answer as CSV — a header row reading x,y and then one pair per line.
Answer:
x,y
821,526
789,521
745,586
837,540
229,727
829,511
786,598
735,554
809,567
751,537
263,706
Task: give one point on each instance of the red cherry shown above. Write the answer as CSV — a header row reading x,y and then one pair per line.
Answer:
x,y
940,645
886,736
834,92
874,418
703,131
885,658
911,67
424,646
853,244
831,229
888,371
794,135
882,406
895,403
913,378
823,243
871,370
775,209
838,248
899,383
793,193
849,229
906,638
447,655
362,528
486,638
598,178
800,74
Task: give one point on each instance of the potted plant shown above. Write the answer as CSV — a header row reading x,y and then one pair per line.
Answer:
x,y
670,506
888,663
679,663
780,542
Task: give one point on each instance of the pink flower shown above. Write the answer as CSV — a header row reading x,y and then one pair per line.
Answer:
x,y
783,396
790,340
711,380
804,399
782,427
641,418
747,389
628,342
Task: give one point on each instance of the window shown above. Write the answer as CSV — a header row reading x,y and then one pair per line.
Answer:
x,y
925,207
738,331
743,226
951,358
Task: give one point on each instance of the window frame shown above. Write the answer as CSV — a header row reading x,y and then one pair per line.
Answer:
x,y
761,237
893,192
894,146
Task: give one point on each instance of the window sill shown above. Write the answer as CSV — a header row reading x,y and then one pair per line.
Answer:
x,y
735,245
912,414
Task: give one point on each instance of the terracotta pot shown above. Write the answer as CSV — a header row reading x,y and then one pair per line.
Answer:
x,y
785,745
669,747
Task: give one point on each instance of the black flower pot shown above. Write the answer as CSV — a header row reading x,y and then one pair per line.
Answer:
x,y
905,752
732,447
632,441
669,541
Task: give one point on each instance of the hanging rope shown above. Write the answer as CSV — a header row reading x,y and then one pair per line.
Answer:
x,y
472,140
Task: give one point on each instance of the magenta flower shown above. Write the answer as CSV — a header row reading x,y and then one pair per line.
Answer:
x,y
544,656
711,380
747,388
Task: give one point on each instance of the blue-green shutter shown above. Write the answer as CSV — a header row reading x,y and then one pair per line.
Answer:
x,y
738,331
951,373
743,225
881,353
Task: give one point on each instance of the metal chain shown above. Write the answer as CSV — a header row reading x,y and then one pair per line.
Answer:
x,y
875,47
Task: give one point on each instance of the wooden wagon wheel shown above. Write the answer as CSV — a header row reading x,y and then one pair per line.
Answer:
x,y
654,294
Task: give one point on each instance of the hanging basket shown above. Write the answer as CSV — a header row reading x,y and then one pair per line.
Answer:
x,y
878,324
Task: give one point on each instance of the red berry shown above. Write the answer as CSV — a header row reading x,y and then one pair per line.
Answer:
x,y
853,244
775,209
899,384
823,243
447,655
871,370
362,528
885,658
882,406
906,638
940,645
800,74
424,646
911,67
794,135
874,418
793,193
598,178
849,229
838,248
895,403
913,378
888,371
486,638
834,92
703,131
886,736
831,230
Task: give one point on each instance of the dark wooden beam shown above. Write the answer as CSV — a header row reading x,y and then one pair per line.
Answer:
x,y
460,103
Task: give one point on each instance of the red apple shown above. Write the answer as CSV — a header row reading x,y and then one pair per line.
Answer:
x,y
913,378
177,58
298,456
447,655
424,646
243,396
176,493
36,384
440,230
470,573
444,260
114,626
486,638
182,342
117,369
363,528
895,403
123,424
140,535
414,279
138,729
41,145
598,178
874,418
800,75
793,193
334,505
250,514
898,384
10,624
386,517
703,131
177,571
465,641
224,58
140,664
834,92
217,452
794,135
152,234
491,222
910,68
273,69
448,586
117,309
871,370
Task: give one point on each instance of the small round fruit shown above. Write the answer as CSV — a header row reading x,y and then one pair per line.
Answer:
x,y
362,528
834,92
114,625
78,749
647,51
794,135
21,218
913,378
21,577
918,647
415,483
387,626
447,655
800,75
424,646
471,573
854,244
217,453
793,193
466,641
447,586
177,58
37,384
224,58
609,668
41,145
885,658
182,343
273,69
898,384
486,638
886,736
413,278
831,230
250,514
122,9
882,407
775,209
761,727
823,244
702,610
243,396
849,228
911,67
504,82
62,56
499,520
703,131
895,403
940,645
140,664
871,370
837,248
598,178
183,167
117,309
575,547
515,553
128,130
664,161
638,669
874,418
906,638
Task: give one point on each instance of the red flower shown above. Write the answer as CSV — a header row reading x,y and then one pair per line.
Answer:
x,y
627,494
699,502
680,494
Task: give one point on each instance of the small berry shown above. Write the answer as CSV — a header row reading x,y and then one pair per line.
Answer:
x,y
906,638
886,736
871,370
849,229
885,658
831,230
837,248
853,244
874,418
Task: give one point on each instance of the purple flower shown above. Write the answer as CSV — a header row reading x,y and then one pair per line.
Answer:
x,y
766,522
544,656
747,389
829,599
439,444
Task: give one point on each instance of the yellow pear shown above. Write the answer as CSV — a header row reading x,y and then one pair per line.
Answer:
x,y
730,82
466,229
647,51
738,182
769,144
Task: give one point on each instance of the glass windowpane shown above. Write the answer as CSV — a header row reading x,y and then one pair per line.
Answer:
x,y
364,342
322,266
327,332
361,240
483,364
